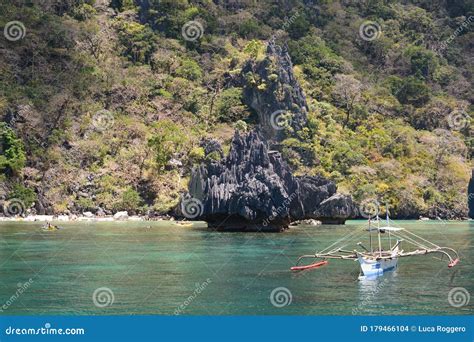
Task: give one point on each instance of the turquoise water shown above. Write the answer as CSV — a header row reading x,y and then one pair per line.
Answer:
x,y
169,269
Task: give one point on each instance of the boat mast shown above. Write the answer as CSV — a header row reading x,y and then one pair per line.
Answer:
x,y
378,232
388,225
370,237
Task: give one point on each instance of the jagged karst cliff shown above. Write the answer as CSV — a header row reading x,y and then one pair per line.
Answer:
x,y
253,189
272,91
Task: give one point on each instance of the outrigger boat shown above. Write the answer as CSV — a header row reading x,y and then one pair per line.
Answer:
x,y
375,260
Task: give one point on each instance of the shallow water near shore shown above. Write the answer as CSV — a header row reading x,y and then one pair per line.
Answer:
x,y
166,270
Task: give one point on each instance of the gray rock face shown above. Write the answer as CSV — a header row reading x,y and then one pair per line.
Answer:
x,y
271,89
335,209
211,146
252,189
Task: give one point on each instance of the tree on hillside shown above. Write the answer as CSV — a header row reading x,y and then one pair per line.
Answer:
x,y
346,94
12,153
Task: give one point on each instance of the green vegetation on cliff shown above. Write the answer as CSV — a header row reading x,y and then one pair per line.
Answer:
x,y
104,104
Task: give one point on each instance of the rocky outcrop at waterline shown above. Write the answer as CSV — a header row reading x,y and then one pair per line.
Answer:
x,y
253,189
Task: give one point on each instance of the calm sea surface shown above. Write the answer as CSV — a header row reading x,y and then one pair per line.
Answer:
x,y
169,269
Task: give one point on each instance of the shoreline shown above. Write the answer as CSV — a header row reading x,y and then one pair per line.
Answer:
x,y
84,218
122,217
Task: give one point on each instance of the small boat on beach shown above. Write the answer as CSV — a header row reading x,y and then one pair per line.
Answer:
x,y
48,227
184,224
381,255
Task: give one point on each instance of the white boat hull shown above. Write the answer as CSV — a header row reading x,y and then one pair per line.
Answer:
x,y
372,267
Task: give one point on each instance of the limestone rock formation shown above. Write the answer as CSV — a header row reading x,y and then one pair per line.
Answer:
x,y
271,89
253,189
335,209
211,146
